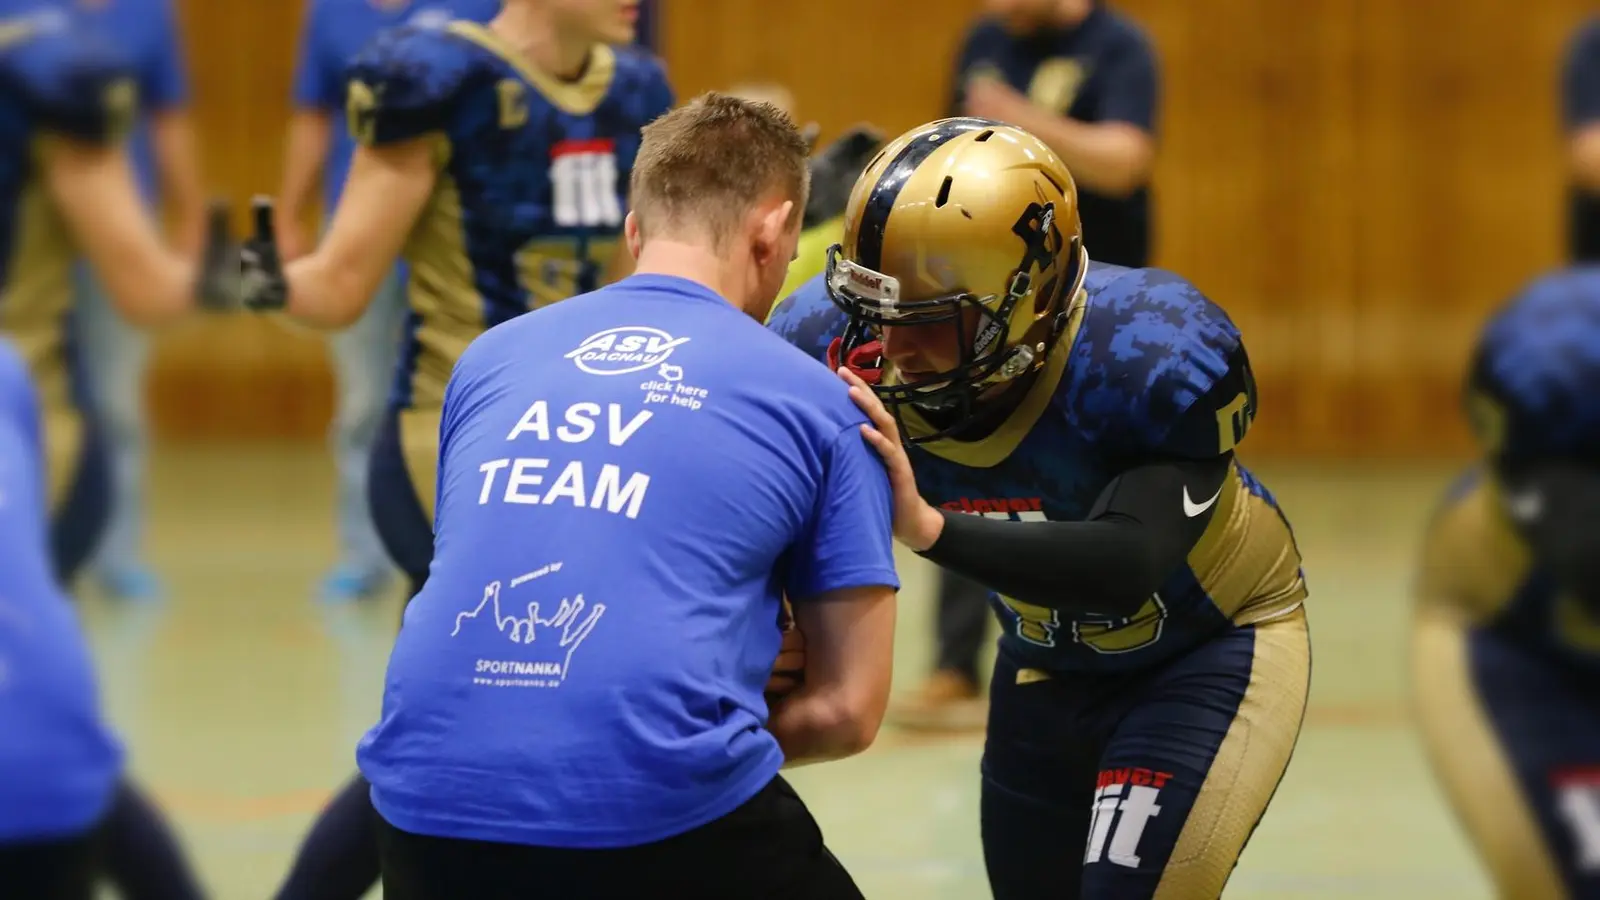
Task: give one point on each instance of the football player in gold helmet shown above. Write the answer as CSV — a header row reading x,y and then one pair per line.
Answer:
x,y
1063,432
1505,647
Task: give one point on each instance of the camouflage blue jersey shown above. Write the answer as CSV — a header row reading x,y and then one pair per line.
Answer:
x,y
1532,397
531,190
532,177
1147,369
59,80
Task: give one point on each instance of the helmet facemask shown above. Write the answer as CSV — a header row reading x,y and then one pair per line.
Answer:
x,y
988,359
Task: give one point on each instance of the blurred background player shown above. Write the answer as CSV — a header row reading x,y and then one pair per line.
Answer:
x,y
1580,103
644,761
113,353
62,200
365,354
495,159
834,170
1083,78
1506,650
67,191
1154,661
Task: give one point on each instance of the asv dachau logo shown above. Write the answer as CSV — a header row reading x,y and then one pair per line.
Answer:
x,y
630,348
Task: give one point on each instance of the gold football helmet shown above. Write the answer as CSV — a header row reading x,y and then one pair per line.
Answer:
x,y
956,215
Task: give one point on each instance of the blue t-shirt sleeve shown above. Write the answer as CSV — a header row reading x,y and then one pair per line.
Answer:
x,y
1132,87
165,84
22,475
849,542
1580,79
315,87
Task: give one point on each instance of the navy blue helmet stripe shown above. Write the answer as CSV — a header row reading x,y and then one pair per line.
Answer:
x,y
875,213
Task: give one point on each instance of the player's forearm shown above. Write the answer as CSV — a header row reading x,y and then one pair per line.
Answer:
x,y
305,156
384,195
178,160
324,292
94,189
1110,158
1140,532
816,725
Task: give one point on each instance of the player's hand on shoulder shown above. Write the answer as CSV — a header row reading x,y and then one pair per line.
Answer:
x,y
916,524
263,286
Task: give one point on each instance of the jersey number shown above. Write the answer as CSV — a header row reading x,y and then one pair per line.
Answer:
x,y
1038,625
553,269
583,178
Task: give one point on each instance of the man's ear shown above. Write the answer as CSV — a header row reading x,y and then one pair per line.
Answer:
x,y
630,231
771,229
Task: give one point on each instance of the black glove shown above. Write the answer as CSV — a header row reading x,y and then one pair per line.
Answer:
x,y
1556,509
834,171
217,285
263,287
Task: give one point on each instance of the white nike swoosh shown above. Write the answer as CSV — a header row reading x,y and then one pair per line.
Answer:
x,y
1191,508
1525,506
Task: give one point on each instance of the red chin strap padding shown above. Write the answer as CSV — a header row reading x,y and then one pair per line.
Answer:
x,y
866,360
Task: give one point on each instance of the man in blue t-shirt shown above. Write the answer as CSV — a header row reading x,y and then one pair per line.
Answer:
x,y
630,483
65,813
364,356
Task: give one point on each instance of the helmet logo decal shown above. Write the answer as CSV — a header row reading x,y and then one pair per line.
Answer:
x,y
1034,227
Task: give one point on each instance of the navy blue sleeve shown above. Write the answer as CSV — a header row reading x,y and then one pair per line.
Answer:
x,y
850,539
77,85
958,77
406,85
979,52
1580,79
808,319
1160,372
1132,86
166,84
659,98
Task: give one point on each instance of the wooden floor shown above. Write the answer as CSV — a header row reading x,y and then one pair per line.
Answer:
x,y
241,698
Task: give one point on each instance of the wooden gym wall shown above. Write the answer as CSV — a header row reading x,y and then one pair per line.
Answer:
x,y
1357,181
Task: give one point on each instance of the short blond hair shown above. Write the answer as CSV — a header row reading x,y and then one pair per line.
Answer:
x,y
704,165
768,91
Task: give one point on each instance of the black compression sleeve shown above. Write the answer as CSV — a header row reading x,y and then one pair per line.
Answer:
x,y
1139,532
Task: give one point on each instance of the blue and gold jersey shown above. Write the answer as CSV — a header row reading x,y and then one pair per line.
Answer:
x,y
1478,569
1531,392
531,193
1532,399
533,178
57,80
1147,369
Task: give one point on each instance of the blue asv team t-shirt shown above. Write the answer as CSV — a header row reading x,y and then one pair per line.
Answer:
x,y
629,481
58,762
